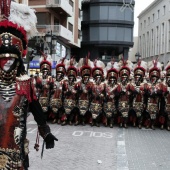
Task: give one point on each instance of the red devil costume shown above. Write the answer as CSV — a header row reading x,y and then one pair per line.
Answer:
x,y
70,92
126,91
84,89
57,98
138,101
17,24
96,106
111,92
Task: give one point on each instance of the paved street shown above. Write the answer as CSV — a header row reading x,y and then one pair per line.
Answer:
x,y
103,148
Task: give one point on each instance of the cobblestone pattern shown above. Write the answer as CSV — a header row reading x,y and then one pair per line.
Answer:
x,y
147,149
103,148
78,148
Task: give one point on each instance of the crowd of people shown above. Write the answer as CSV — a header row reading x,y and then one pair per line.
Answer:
x,y
88,92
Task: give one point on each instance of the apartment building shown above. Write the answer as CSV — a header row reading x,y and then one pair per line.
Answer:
x,y
59,28
107,28
154,31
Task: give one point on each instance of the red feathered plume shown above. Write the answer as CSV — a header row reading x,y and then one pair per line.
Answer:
x,y
44,55
155,62
72,60
112,62
62,61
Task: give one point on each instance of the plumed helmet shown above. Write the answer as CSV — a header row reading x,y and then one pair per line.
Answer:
x,y
45,62
60,67
85,66
140,68
112,69
98,68
155,69
167,69
125,67
17,26
71,67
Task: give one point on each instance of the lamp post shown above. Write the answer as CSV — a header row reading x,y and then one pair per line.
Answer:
x,y
51,41
137,56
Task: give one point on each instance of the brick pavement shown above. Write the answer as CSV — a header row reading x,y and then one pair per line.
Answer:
x,y
103,148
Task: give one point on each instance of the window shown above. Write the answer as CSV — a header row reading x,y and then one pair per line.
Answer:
x,y
147,45
168,36
148,20
43,18
140,44
164,9
157,40
72,4
143,54
153,17
158,13
70,27
162,38
144,23
79,34
152,43
79,13
141,26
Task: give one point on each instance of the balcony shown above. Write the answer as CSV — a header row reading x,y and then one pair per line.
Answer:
x,y
59,31
60,6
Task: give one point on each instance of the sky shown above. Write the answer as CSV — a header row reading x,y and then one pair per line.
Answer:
x,y
140,5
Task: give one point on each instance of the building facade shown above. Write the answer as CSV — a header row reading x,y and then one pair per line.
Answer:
x,y
107,28
58,20
154,32
133,51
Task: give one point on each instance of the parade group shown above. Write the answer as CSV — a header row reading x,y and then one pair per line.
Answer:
x,y
120,93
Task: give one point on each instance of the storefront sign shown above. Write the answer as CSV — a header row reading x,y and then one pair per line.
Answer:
x,y
36,65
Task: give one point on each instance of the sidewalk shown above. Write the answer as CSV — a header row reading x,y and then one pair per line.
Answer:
x,y
101,148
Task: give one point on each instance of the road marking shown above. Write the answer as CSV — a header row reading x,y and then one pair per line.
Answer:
x,y
92,134
122,161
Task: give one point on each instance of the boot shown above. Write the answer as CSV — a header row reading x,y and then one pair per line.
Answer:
x,y
63,123
139,126
76,123
111,123
120,125
97,124
153,127
70,123
162,127
125,125
54,121
153,124
125,122
105,124
83,121
168,128
92,123
58,121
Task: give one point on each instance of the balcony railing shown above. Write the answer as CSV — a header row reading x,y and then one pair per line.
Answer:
x,y
57,30
63,4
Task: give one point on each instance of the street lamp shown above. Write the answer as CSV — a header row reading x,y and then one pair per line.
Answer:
x,y
137,56
51,41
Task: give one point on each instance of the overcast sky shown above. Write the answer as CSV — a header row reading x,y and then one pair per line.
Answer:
x,y
140,5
